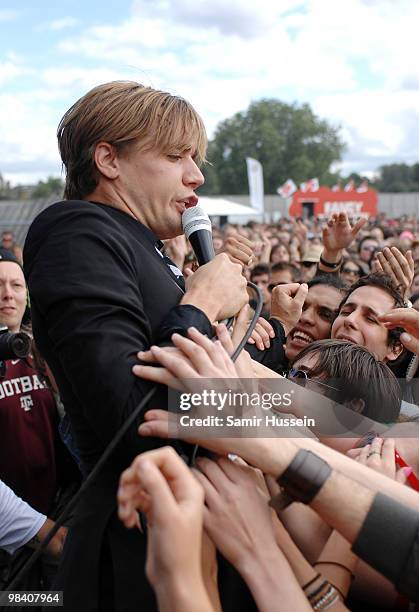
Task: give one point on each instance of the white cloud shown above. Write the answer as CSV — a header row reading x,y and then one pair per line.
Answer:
x,y
356,67
62,24
9,71
8,15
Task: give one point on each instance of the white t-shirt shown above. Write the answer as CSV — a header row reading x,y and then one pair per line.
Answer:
x,y
19,522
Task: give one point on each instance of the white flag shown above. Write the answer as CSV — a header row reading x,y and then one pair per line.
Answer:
x,y
314,184
363,187
311,185
255,178
287,189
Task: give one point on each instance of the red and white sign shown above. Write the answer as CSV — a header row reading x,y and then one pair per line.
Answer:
x,y
325,202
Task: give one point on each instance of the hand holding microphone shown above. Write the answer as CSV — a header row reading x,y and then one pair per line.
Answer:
x,y
218,287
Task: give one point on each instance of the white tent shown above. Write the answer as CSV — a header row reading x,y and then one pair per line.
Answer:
x,y
217,207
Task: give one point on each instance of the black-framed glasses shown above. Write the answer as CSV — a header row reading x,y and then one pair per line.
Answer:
x,y
302,376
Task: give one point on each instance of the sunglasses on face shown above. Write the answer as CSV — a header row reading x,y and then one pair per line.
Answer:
x,y
351,271
301,377
308,264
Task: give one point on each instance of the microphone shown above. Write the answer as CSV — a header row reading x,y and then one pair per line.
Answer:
x,y
197,228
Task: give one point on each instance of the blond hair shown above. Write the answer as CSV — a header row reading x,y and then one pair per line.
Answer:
x,y
124,113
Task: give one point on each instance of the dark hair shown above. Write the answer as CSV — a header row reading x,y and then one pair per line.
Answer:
x,y
277,246
361,242
282,266
356,374
330,280
384,282
260,269
355,261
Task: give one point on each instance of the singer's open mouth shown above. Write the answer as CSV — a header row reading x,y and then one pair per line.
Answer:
x,y
188,203
192,201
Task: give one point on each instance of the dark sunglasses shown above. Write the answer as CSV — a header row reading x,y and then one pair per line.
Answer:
x,y
301,377
351,271
308,264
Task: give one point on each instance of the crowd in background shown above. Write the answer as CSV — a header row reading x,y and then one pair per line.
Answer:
x,y
337,297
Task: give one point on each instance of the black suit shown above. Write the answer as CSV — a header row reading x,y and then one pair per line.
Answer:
x,y
100,292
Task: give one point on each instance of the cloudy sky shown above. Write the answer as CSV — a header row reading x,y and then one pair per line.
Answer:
x,y
354,61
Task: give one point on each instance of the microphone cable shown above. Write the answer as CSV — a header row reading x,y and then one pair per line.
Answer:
x,y
15,581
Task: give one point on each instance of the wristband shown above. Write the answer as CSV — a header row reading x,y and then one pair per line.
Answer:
x,y
328,264
302,480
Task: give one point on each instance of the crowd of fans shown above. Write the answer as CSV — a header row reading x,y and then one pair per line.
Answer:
x,y
341,320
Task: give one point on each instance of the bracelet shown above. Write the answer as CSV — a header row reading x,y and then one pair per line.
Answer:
x,y
302,480
310,582
328,264
328,599
337,564
319,592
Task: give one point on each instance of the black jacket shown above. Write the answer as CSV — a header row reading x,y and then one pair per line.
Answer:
x,y
100,292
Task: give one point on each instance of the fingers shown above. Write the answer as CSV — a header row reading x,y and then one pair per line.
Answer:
x,y
215,474
211,494
358,226
410,262
403,261
387,454
178,367
402,474
383,259
163,475
354,453
262,334
363,455
188,272
157,375
208,352
395,264
412,344
239,249
158,428
289,289
408,318
301,295
240,327
267,326
261,337
400,317
376,266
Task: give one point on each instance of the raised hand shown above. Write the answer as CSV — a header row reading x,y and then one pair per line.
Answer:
x,y
287,304
408,318
400,268
339,233
239,249
159,484
262,334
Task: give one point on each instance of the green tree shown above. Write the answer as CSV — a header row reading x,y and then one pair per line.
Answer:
x,y
289,140
52,186
4,188
395,178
